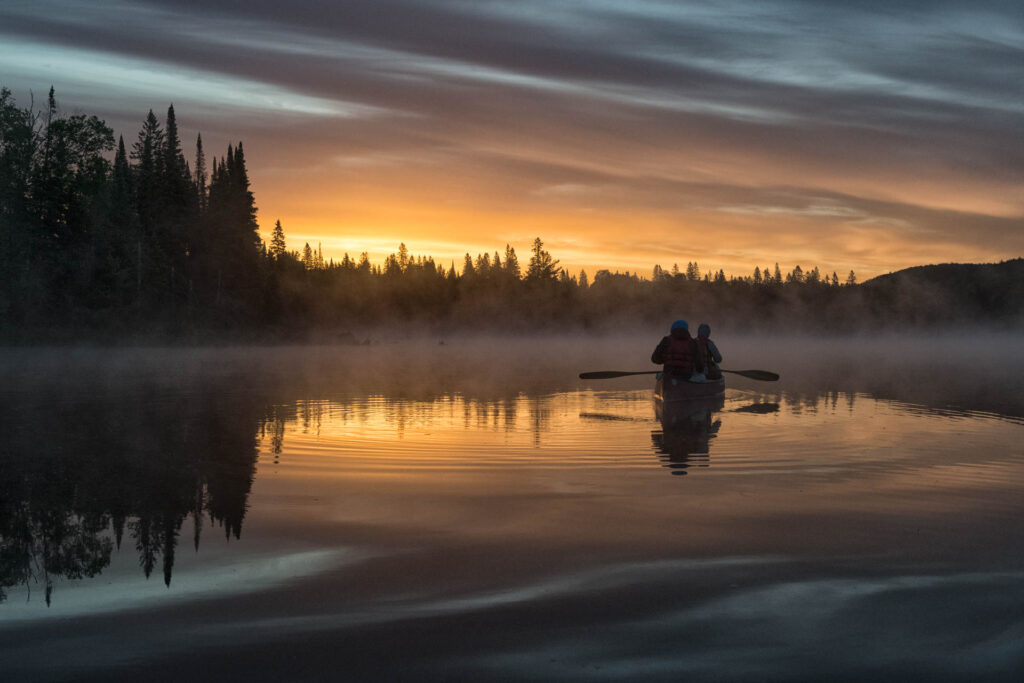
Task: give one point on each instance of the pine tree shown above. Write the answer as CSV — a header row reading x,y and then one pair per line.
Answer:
x,y
511,262
277,243
483,264
200,175
177,204
757,275
851,279
403,257
542,268
125,267
584,282
176,181
233,249
148,154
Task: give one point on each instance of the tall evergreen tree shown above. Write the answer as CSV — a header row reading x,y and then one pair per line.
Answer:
x,y
147,153
232,264
179,207
201,177
124,268
511,262
542,267
277,243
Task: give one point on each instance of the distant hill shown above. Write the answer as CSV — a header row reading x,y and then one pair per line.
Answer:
x,y
948,292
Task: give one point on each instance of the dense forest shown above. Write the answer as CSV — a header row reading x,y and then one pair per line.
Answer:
x,y
104,242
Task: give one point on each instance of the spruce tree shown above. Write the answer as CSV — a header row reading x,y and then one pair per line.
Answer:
x,y
124,229
542,266
200,175
147,153
277,243
511,262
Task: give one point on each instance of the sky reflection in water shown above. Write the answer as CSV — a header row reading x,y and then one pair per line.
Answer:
x,y
322,505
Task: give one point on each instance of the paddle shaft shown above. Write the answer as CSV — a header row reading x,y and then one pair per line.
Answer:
x,y
760,375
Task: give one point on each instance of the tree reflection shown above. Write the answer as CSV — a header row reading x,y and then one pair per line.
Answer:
x,y
77,472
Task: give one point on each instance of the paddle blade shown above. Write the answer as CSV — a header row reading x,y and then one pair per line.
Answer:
x,y
609,374
760,375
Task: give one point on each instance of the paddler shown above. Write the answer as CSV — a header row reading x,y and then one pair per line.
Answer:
x,y
678,352
709,355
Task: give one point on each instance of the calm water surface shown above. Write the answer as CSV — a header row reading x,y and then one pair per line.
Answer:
x,y
473,511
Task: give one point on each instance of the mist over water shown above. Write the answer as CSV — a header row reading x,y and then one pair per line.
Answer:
x,y
413,509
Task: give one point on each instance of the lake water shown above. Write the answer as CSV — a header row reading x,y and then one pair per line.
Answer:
x,y
473,511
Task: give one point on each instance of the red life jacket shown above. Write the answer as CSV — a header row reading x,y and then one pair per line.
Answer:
x,y
680,353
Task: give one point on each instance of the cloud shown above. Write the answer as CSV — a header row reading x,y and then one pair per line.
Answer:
x,y
911,110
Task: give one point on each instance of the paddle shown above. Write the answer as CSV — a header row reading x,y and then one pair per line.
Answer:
x,y
760,375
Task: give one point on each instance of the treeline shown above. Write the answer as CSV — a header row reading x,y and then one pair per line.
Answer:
x,y
140,242
151,245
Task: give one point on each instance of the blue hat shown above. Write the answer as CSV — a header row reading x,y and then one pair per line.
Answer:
x,y
681,324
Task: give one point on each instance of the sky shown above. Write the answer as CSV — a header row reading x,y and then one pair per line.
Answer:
x,y
866,136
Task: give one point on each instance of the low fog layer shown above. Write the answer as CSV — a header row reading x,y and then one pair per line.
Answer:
x,y
981,372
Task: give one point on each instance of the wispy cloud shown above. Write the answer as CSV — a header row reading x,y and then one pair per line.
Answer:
x,y
688,117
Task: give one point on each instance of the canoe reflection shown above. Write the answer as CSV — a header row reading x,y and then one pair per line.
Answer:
x,y
687,428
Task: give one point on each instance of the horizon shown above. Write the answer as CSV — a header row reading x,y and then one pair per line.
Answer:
x,y
624,136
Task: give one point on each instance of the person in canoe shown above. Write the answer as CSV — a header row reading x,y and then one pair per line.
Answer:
x,y
709,353
678,352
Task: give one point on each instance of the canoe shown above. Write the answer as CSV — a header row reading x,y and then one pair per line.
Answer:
x,y
676,389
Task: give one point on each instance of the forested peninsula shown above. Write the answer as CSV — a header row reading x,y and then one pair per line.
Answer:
x,y
108,242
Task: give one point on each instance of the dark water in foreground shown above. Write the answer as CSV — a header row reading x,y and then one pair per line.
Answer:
x,y
475,512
